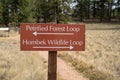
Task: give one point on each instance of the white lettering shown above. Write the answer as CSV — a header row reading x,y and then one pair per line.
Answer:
x,y
36,28
73,29
36,42
76,43
56,29
57,42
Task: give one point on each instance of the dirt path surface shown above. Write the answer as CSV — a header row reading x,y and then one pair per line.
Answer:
x,y
64,70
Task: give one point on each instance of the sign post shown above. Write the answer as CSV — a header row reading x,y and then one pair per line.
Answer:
x,y
52,65
52,38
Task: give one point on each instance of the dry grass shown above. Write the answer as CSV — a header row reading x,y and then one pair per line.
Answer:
x,y
101,59
19,65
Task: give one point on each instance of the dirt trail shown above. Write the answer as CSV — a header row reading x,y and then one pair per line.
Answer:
x,y
64,70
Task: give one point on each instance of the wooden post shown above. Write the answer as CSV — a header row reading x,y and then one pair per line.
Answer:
x,y
52,65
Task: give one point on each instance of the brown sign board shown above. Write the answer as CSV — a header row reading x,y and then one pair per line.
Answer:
x,y
52,37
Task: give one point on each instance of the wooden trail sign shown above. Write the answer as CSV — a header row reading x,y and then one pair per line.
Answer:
x,y
52,37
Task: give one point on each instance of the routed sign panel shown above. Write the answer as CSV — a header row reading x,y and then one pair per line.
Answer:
x,y
52,37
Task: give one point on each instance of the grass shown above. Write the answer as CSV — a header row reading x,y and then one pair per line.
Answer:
x,y
101,59
20,65
86,70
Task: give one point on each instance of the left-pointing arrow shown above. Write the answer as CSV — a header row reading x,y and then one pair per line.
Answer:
x,y
36,33
55,47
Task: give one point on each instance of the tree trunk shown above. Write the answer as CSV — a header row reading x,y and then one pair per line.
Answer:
x,y
109,11
38,19
102,10
88,11
118,3
81,16
94,10
45,19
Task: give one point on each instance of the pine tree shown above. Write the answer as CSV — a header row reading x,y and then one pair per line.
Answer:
x,y
52,10
13,11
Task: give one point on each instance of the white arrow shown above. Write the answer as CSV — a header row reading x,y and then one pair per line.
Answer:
x,y
56,47
36,33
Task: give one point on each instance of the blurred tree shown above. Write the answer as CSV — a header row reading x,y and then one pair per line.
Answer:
x,y
58,11
95,8
52,10
13,11
118,4
110,5
61,10
19,12
104,10
4,12
118,9
79,9
0,12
